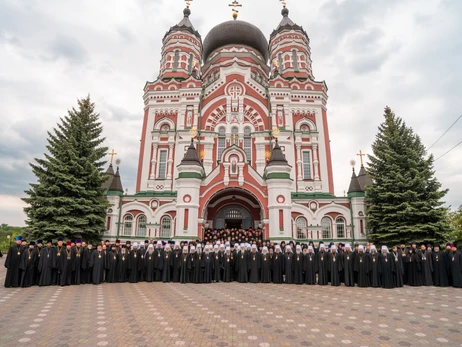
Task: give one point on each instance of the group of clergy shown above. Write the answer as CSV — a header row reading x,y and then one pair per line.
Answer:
x,y
75,262
234,235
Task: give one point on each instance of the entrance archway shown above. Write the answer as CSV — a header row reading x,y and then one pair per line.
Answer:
x,y
233,216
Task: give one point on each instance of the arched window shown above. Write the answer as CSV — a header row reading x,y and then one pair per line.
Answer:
x,y
340,227
301,228
141,226
248,143
295,59
128,221
326,228
176,60
221,142
234,135
166,225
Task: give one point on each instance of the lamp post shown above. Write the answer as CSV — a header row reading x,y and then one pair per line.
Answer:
x,y
9,239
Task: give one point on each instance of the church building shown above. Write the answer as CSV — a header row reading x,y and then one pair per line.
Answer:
x,y
235,135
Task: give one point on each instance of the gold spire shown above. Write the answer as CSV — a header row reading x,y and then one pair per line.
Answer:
x,y
361,155
284,3
188,3
235,4
112,154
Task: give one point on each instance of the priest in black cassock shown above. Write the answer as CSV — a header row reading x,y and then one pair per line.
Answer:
x,y
134,259
398,268
322,262
335,266
122,265
298,265
207,265
456,266
36,270
288,266
46,264
78,262
242,265
111,265
362,267
414,270
85,273
176,267
149,260
228,265
12,262
265,266
141,265
347,259
97,264
27,265
216,264
159,261
426,265
309,266
185,265
440,264
167,264
386,265
66,265
254,265
60,255
374,273
277,265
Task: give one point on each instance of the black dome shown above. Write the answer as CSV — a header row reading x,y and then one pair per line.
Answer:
x,y
235,32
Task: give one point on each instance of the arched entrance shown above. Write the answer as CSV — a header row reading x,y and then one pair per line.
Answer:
x,y
233,208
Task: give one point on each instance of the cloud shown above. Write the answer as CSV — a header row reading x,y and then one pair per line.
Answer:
x,y
69,48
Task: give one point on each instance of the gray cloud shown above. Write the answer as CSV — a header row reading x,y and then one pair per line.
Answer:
x,y
69,48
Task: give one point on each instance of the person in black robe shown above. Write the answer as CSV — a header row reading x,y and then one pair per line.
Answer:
x,y
133,264
66,265
298,265
149,261
440,266
242,265
122,265
288,266
216,264
185,265
228,265
456,266
374,273
221,255
141,263
46,264
348,262
176,267
60,255
363,267
309,266
207,266
97,264
277,265
414,277
84,263
111,265
265,266
36,270
159,262
335,266
27,265
167,264
12,262
78,257
426,266
254,265
398,268
235,252
322,263
385,265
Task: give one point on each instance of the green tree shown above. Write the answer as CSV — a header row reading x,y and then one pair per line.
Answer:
x,y
405,197
455,220
67,200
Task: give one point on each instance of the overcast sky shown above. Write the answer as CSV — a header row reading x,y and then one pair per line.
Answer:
x,y
403,53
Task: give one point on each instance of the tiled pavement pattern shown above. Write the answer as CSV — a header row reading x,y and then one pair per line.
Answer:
x,y
228,314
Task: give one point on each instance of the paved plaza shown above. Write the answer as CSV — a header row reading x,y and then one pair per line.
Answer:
x,y
228,314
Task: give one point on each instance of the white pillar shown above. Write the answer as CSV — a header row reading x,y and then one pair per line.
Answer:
x,y
153,161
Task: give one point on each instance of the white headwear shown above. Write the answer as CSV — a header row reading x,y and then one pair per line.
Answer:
x,y
298,247
310,247
242,245
348,246
192,249
135,244
333,247
385,248
222,246
218,242
177,243
322,246
228,248
185,248
288,248
373,248
277,247
254,246
215,247
361,248
159,244
227,243
199,245
167,246
265,249
151,246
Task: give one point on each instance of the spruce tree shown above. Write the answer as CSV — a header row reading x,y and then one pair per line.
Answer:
x,y
68,199
405,197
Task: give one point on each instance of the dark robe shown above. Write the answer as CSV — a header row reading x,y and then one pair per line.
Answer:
x,y
122,267
185,267
27,265
298,268
85,273
77,274
12,262
176,267
167,266
60,255
36,271
427,268
235,271
46,264
158,263
335,266
97,264
455,259
197,275
441,268
216,266
242,266
398,270
289,267
374,274
403,255
310,267
265,268
414,277
386,265
111,266
150,271
277,267
66,267
207,267
362,268
322,263
134,259
141,265
254,267
228,267
348,265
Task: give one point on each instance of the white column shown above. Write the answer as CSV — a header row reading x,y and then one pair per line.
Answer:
x,y
170,161
241,174
299,163
153,161
315,162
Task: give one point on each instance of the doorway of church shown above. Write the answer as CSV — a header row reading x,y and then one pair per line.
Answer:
x,y
233,216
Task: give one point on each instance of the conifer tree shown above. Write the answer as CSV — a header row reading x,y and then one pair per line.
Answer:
x,y
68,199
405,197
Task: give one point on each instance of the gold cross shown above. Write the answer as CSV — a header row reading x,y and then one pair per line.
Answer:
x,y
284,4
235,4
112,154
361,155
234,137
188,3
